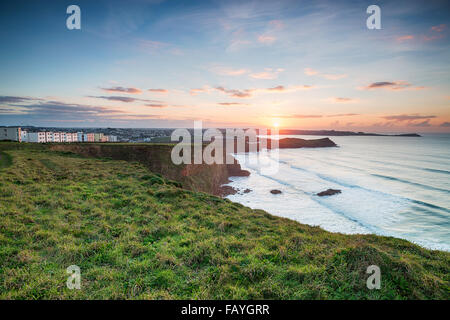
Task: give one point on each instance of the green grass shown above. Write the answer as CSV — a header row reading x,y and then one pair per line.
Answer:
x,y
136,235
5,160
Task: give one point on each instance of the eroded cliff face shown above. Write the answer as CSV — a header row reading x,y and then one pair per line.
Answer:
x,y
196,177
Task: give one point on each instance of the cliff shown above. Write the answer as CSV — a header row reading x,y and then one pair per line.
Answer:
x,y
156,157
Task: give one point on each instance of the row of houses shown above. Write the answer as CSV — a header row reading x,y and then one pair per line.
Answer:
x,y
17,134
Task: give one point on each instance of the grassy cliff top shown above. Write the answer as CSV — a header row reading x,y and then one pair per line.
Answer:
x,y
136,235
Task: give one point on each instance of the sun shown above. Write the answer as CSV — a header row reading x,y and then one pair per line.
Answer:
x,y
276,124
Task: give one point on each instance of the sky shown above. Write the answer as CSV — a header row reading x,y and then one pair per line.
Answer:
x,y
292,64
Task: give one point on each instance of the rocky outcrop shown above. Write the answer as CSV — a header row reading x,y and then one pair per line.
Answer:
x,y
329,192
285,143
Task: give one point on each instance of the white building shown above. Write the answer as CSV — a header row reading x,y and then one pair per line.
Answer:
x,y
80,137
74,136
24,136
39,137
112,138
56,137
10,133
49,136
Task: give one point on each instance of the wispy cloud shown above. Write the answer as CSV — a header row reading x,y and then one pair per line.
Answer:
x,y
405,117
123,99
266,39
329,76
392,85
405,38
311,116
247,93
438,28
425,123
123,90
14,99
156,105
267,74
158,90
196,91
225,71
232,104
445,124
341,100
311,72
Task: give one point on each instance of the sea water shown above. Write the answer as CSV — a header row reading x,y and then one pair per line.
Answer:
x,y
393,186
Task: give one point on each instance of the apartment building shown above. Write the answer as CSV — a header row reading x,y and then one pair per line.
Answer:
x,y
39,137
16,134
112,138
98,137
89,137
10,133
56,137
48,136
24,136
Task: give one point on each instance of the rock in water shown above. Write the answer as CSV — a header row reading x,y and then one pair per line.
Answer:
x,y
275,191
328,192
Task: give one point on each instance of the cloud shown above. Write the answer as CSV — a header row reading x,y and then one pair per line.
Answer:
x,y
232,104
425,123
312,72
266,39
392,85
445,124
236,93
158,90
405,38
156,105
247,93
300,116
123,99
13,99
204,89
341,100
276,24
343,115
224,71
115,98
438,28
123,90
61,109
267,74
404,117
334,76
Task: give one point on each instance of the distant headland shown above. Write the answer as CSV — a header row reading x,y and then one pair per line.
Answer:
x,y
341,133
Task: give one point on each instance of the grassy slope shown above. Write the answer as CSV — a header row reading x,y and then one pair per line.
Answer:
x,y
135,235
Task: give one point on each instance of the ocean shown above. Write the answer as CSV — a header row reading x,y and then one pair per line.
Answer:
x,y
392,186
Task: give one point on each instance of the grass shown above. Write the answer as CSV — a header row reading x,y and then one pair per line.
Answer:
x,y
5,160
136,235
